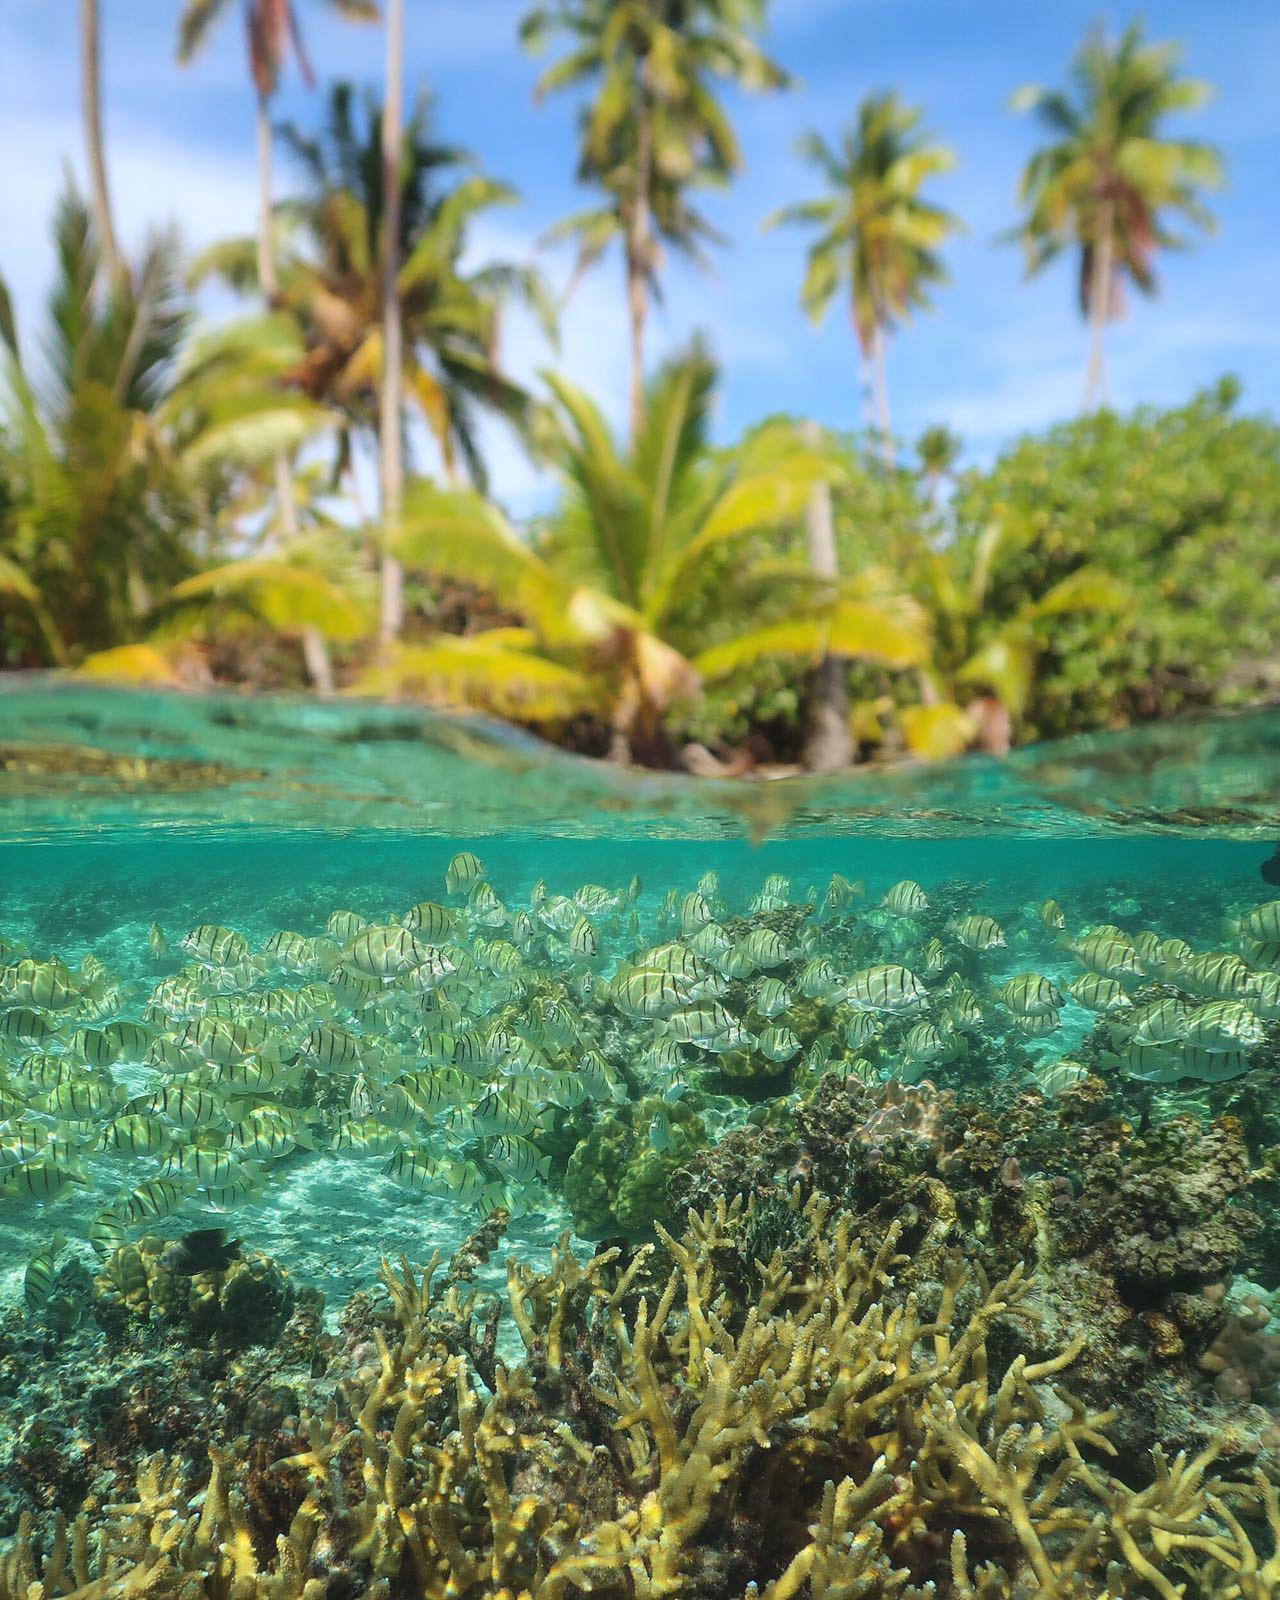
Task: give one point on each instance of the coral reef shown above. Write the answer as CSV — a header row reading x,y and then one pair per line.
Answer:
x,y
685,1423
1128,1231
248,1303
616,1179
88,1388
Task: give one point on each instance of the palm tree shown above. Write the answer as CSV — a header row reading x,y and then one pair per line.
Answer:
x,y
332,282
91,95
390,398
978,679
641,531
1109,178
118,466
878,237
938,449
654,128
331,277
271,27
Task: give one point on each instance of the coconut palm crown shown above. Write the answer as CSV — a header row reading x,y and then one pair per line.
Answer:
x,y
878,238
1110,182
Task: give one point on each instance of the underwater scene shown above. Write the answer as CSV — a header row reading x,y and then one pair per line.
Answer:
x,y
433,1167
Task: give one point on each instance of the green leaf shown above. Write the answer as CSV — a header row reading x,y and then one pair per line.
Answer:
x,y
1088,589
139,665
487,672
15,582
938,732
287,597
1005,664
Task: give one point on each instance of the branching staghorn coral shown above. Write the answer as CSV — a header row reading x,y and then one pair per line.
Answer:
x,y
677,1430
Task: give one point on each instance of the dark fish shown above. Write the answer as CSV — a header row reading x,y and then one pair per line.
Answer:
x,y
1270,868
201,1250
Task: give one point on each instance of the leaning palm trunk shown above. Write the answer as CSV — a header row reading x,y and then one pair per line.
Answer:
x,y
829,746
1100,283
390,451
91,87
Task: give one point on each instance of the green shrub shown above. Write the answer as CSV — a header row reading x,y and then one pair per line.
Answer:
x,y
1183,507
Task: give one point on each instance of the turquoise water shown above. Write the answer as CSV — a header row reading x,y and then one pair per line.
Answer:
x,y
127,823
98,893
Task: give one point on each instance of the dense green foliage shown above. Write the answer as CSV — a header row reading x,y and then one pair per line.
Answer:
x,y
1183,507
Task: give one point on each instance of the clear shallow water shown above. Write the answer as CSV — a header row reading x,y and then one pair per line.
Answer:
x,y
119,813
330,1217
122,811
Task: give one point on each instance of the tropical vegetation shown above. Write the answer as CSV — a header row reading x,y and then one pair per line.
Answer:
x,y
879,239
185,503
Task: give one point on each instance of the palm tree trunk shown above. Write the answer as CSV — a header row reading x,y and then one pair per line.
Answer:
x,y
91,91
638,253
829,745
1095,382
390,452
315,652
266,254
315,649
881,384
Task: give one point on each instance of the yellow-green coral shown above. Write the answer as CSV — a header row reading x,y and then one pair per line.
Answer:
x,y
821,1436
248,1302
616,1179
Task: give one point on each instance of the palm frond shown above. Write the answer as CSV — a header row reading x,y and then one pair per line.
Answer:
x,y
287,597
138,665
495,673
195,25
460,533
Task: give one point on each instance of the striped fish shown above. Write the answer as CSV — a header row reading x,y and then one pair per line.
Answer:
x,y
345,925
1031,995
1097,993
1107,954
979,932
1219,975
37,1280
213,946
155,1200
332,1049
1223,1026
905,899
434,922
767,949
645,992
695,912
778,1044
890,988
1263,923
462,872
41,1180
772,998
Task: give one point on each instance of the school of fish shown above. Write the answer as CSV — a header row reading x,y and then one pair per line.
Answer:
x,y
443,1041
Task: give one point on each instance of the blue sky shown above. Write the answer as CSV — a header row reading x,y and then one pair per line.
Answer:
x,y
997,356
